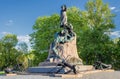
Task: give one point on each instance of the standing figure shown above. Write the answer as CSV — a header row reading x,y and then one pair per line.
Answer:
x,y
63,16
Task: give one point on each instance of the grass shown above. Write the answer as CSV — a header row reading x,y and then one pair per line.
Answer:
x,y
2,72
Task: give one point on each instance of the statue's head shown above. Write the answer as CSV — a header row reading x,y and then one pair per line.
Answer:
x,y
64,7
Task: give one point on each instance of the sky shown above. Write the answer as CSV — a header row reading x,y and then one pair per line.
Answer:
x,y
18,16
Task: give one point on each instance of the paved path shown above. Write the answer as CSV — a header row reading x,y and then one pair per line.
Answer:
x,y
103,75
99,75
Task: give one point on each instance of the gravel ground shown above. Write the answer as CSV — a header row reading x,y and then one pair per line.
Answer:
x,y
100,75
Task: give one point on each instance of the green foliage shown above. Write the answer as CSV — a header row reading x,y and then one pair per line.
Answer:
x,y
9,40
99,15
7,44
1,53
8,52
45,27
31,57
2,61
116,55
95,44
22,59
38,57
2,72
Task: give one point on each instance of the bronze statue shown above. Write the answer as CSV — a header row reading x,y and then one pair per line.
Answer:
x,y
63,16
64,35
63,50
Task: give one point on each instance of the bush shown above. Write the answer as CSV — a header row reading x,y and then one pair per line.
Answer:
x,y
23,60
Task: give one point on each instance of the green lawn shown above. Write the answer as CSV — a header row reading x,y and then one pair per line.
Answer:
x,y
2,72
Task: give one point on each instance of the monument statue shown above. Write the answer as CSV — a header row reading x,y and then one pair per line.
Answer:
x,y
63,56
64,48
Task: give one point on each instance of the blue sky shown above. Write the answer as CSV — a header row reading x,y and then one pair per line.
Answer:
x,y
18,16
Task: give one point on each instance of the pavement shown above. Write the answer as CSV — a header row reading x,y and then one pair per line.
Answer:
x,y
99,75
103,75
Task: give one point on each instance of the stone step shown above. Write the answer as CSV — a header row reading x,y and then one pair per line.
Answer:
x,y
85,67
45,69
53,69
74,76
47,64
81,74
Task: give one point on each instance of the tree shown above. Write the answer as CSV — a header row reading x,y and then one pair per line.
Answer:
x,y
116,54
94,42
36,57
23,60
44,28
2,61
31,57
99,15
9,41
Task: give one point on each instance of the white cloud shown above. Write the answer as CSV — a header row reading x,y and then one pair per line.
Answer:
x,y
4,33
20,38
23,38
115,33
112,8
9,22
116,9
